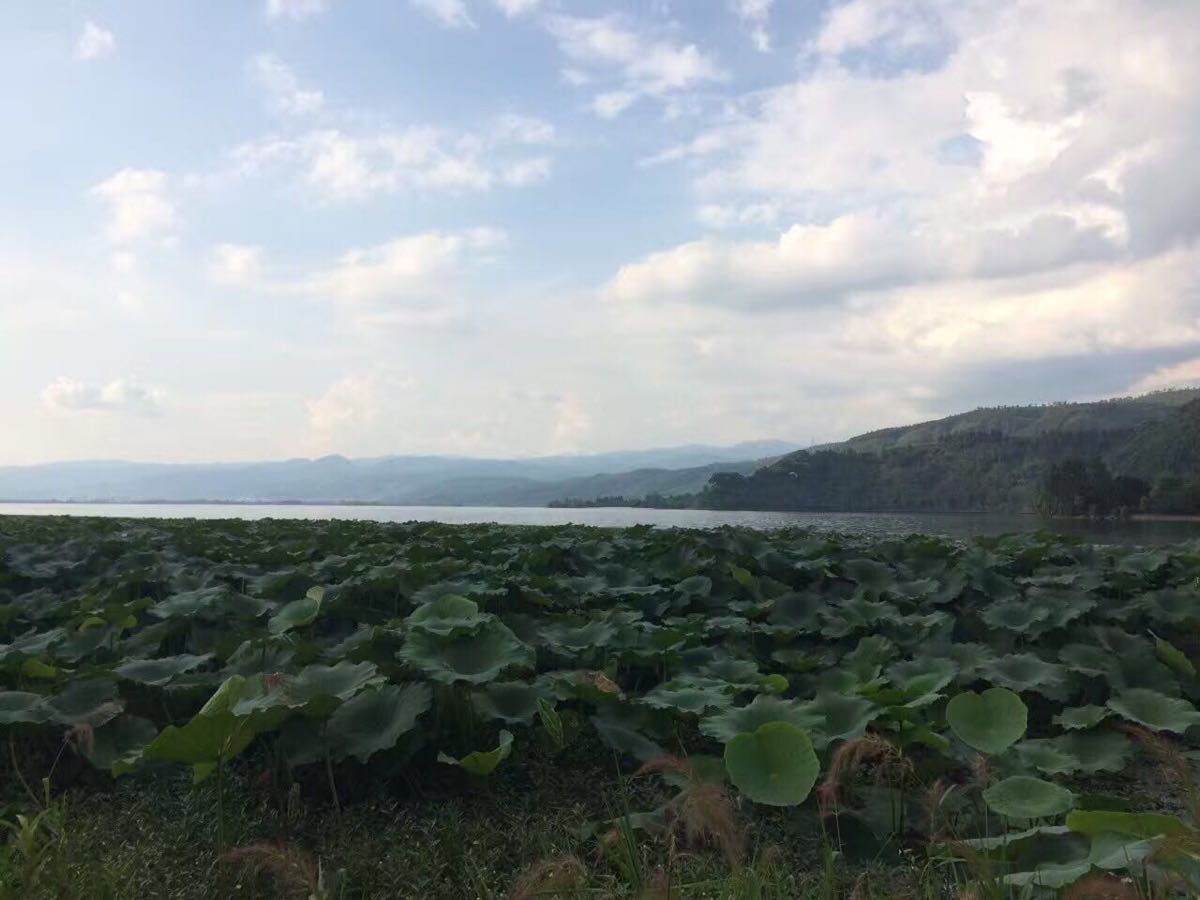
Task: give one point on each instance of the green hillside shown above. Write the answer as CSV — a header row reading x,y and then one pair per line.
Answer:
x,y
993,459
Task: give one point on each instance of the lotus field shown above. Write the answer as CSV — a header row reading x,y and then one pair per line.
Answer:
x,y
1009,717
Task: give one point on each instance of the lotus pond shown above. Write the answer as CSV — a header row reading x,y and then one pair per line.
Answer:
x,y
357,709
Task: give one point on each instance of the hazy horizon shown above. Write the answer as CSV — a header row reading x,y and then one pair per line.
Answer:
x,y
257,230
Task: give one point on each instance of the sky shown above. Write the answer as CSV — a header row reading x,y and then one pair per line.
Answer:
x,y
257,229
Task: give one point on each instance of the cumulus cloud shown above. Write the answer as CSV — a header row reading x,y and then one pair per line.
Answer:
x,y
138,204
66,395
755,15
235,264
634,64
514,8
94,42
447,13
337,165
1184,374
355,401
283,90
298,10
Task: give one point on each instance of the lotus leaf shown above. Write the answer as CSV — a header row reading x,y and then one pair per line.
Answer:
x,y
1096,751
476,658
990,722
298,613
1025,672
513,702
1081,717
1155,711
844,717
726,725
690,695
159,672
1023,797
117,745
448,614
375,718
775,764
482,762
21,707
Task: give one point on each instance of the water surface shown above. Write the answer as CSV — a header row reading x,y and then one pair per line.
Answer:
x,y
958,525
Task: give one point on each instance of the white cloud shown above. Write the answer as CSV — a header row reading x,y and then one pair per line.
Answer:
x,y
297,10
341,166
572,423
138,204
1184,374
411,269
447,13
756,14
283,89
66,395
352,400
640,64
123,262
235,264
514,8
94,43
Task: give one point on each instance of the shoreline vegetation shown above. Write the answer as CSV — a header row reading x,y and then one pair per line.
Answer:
x,y
349,710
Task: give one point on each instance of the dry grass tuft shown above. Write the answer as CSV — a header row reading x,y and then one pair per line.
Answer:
x,y
1102,886
702,813
549,877
293,870
867,753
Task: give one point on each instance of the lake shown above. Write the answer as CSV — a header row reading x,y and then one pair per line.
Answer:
x,y
958,525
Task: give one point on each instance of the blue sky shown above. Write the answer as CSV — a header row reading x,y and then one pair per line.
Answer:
x,y
242,229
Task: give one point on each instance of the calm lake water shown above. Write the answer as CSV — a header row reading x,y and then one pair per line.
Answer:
x,y
956,525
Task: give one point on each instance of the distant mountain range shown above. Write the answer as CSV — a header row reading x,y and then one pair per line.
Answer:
x,y
988,459
400,480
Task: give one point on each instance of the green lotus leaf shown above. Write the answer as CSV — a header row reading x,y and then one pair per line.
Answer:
x,y
972,658
1096,751
92,701
573,639
374,719
21,707
728,724
1082,717
1173,657
1155,710
158,672
211,602
1025,672
1016,614
448,614
298,613
874,577
734,671
625,737
513,702
476,658
317,689
774,765
215,735
1045,756
990,722
551,721
1125,824
117,746
1024,797
482,762
690,695
845,716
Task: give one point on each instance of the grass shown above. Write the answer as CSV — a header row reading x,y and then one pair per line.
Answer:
x,y
155,836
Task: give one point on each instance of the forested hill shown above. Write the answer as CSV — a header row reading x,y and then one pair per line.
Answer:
x,y
992,459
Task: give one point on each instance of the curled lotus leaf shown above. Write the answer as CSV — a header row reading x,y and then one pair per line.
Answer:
x,y
117,745
574,639
447,614
1025,797
374,719
23,708
844,716
298,613
513,702
218,601
990,722
727,724
774,765
317,690
1154,710
1075,718
1086,659
1045,756
159,672
482,762
475,658
735,671
1014,615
